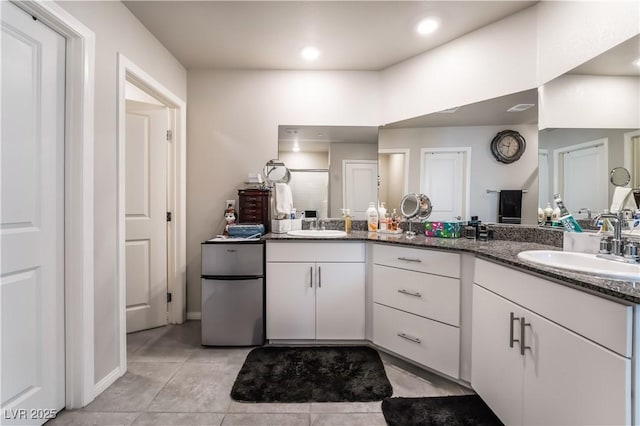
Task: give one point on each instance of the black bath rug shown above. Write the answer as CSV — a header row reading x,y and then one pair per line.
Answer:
x,y
312,374
465,410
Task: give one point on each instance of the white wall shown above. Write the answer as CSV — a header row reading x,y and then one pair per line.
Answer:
x,y
520,52
588,101
486,171
117,31
233,130
305,160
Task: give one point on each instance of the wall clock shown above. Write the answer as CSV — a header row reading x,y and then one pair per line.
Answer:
x,y
508,146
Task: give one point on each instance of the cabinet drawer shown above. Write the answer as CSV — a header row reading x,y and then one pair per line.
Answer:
x,y
431,296
601,320
315,251
422,260
427,342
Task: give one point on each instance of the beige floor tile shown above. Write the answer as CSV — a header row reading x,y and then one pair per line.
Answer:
x,y
181,419
350,419
136,389
346,407
86,418
269,419
250,407
226,356
196,388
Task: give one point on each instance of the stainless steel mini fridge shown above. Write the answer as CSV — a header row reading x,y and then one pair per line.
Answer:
x,y
232,293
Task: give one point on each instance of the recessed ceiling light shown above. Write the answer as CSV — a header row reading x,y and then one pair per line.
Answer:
x,y
427,26
310,53
520,107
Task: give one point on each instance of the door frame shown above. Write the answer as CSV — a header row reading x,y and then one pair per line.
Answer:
x,y
176,197
628,149
78,194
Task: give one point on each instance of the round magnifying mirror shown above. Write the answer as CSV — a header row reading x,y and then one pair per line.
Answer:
x,y
276,172
425,207
619,176
410,205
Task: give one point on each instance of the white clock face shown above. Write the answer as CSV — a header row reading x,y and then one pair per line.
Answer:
x,y
508,146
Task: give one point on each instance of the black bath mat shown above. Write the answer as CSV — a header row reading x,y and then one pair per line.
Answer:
x,y
465,410
312,374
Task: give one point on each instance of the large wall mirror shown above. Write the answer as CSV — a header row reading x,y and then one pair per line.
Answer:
x,y
591,124
332,167
447,156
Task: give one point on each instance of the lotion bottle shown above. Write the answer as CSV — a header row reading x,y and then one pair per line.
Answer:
x,y
372,217
347,221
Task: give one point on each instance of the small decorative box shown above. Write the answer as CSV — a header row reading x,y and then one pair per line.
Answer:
x,y
443,229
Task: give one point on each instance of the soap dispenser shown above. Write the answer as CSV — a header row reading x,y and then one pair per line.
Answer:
x,y
347,220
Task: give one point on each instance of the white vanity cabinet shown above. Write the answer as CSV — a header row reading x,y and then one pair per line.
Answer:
x,y
315,290
546,354
416,310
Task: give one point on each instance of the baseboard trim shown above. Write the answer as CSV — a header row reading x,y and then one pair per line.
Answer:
x,y
194,315
106,381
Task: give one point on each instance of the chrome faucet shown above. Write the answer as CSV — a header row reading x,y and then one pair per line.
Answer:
x,y
585,209
616,248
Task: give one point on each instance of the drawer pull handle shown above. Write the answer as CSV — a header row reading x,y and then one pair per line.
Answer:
x,y
523,345
409,259
512,319
409,293
411,338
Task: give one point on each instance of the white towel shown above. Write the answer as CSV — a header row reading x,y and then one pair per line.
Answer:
x,y
622,199
284,201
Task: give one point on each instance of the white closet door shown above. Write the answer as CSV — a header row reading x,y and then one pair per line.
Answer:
x,y
146,222
32,219
585,178
360,186
443,181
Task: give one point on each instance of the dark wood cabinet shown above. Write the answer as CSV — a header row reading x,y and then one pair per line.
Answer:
x,y
254,207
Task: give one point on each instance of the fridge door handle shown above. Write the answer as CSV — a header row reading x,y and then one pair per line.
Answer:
x,y
319,277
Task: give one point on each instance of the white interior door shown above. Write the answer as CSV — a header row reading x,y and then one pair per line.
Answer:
x,y
145,213
584,178
360,186
443,180
32,219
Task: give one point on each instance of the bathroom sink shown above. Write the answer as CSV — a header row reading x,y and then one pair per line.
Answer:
x,y
313,233
582,262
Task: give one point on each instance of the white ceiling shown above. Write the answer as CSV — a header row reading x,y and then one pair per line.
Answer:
x,y
351,35
319,138
617,61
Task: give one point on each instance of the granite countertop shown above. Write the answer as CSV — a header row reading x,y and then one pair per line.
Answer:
x,y
501,251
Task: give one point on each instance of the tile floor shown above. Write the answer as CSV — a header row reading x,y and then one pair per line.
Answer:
x,y
172,380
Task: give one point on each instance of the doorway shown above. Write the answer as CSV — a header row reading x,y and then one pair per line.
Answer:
x,y
148,126
77,161
155,103
393,165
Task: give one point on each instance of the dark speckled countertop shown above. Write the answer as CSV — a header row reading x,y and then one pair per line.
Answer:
x,y
500,251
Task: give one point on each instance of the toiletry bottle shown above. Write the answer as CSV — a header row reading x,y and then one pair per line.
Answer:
x,y
548,211
347,221
393,221
372,217
382,218
567,220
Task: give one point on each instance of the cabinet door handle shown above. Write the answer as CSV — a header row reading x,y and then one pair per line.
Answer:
x,y
409,293
511,339
310,276
319,277
411,338
409,259
523,345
